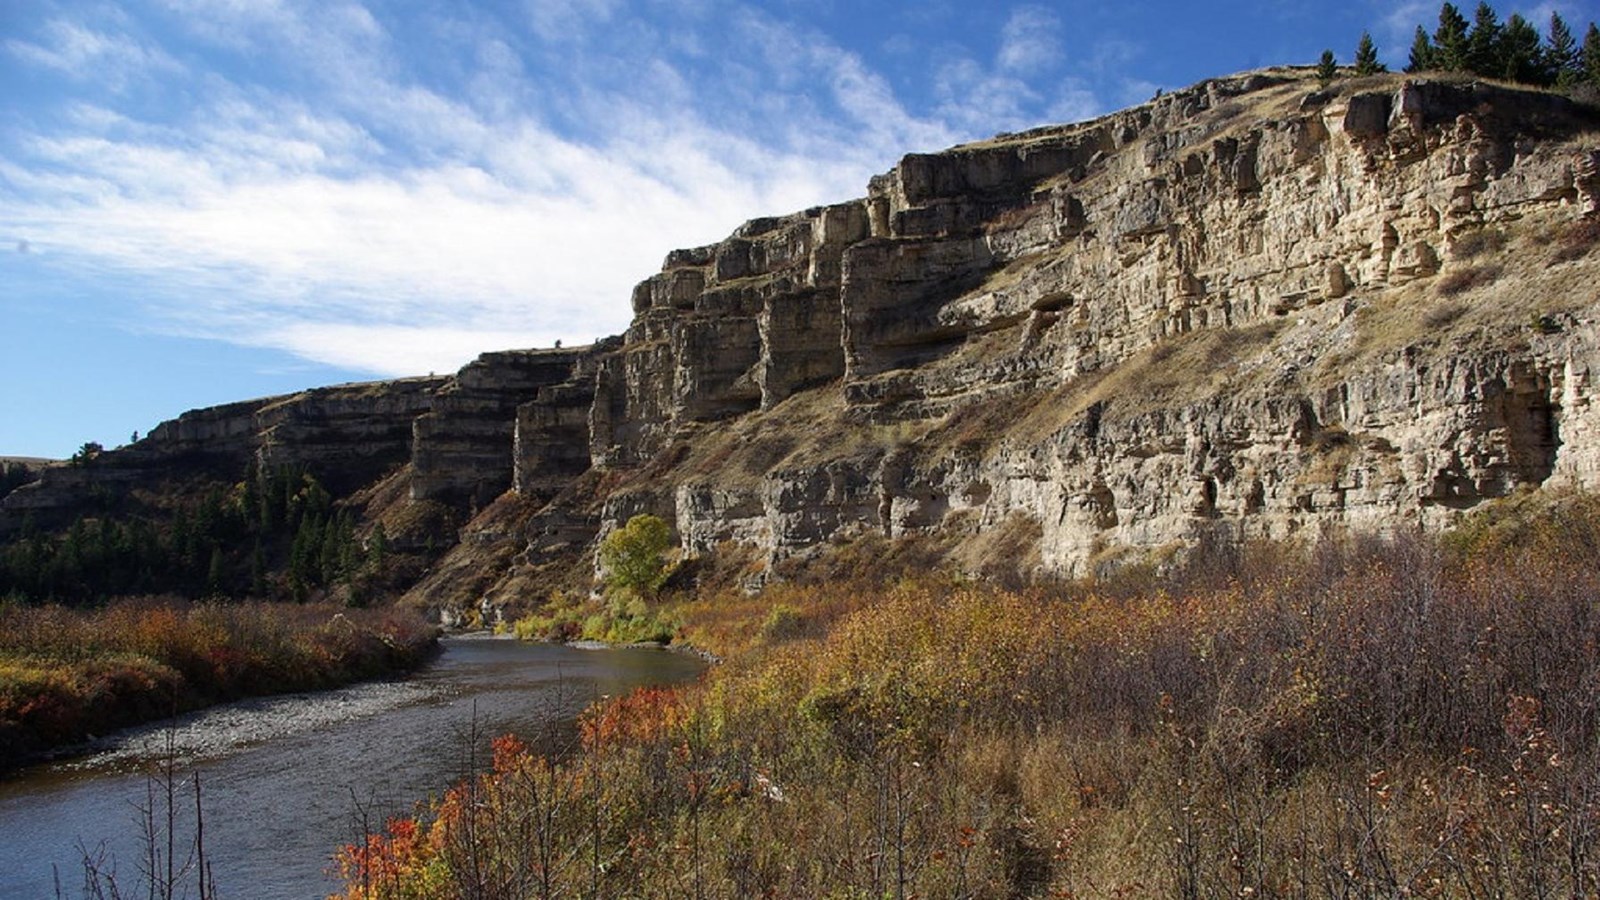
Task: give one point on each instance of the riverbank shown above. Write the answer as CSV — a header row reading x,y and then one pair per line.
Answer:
x,y
289,778
67,675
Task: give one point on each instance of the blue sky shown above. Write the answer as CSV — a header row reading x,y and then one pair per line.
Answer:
x,y
211,200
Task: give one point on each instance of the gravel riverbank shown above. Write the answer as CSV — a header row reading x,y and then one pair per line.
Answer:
x,y
219,729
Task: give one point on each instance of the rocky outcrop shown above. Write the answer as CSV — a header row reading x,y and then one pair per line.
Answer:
x,y
725,330
551,437
347,436
1248,309
464,451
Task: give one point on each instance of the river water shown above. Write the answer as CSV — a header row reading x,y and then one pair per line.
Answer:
x,y
286,780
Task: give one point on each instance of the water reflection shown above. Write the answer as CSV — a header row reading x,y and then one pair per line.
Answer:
x,y
285,780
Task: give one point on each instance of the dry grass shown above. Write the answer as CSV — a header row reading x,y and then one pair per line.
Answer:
x,y
1459,281
1182,369
66,673
1480,306
1576,240
1478,243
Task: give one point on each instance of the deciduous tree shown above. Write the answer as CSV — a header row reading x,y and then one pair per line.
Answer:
x,y
632,556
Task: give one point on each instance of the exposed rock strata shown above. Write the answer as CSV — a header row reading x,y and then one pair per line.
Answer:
x,y
348,436
1207,233
462,450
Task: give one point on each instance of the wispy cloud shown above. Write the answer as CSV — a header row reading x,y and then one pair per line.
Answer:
x,y
358,211
1030,41
566,20
1399,23
82,53
389,226
973,96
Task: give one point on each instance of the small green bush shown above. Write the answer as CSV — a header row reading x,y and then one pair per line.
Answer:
x,y
783,623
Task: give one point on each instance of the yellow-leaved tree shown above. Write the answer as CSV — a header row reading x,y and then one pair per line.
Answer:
x,y
633,556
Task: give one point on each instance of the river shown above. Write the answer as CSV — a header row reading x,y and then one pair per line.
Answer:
x,y
285,780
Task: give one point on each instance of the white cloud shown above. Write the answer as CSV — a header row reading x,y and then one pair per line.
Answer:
x,y
85,54
399,350
1074,102
1112,56
1399,24
391,224
569,20
1029,41
978,100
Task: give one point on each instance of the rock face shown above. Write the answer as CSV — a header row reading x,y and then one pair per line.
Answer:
x,y
1227,312
462,449
348,436
725,330
1247,309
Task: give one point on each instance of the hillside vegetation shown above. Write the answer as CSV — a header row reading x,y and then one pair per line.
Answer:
x,y
1366,717
66,674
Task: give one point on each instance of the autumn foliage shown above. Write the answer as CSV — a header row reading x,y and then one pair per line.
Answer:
x,y
1359,718
66,673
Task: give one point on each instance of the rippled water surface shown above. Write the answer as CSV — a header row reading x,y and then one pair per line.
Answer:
x,y
283,778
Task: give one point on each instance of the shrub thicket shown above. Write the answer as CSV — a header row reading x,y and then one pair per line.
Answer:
x,y
1363,718
66,673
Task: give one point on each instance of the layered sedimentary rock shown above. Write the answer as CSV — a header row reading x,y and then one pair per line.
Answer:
x,y
348,436
464,451
1227,312
551,435
725,330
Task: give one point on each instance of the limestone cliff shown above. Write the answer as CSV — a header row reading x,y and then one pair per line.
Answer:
x,y
1250,308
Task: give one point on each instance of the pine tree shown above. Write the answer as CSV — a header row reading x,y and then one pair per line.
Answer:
x,y
1327,68
1483,43
250,498
215,572
258,571
1450,40
1422,53
1367,56
1561,53
1591,55
1519,57
378,547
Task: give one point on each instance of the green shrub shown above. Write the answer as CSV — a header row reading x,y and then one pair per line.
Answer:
x,y
784,623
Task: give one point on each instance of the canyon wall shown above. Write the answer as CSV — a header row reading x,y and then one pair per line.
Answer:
x,y
1253,308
